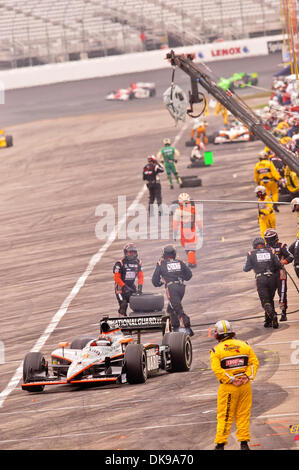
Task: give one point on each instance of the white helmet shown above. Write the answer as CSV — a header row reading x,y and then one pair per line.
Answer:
x,y
223,329
184,198
260,189
294,203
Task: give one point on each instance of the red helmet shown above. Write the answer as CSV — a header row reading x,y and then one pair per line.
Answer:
x,y
130,251
151,159
271,236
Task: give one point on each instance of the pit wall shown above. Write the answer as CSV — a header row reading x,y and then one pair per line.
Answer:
x,y
134,62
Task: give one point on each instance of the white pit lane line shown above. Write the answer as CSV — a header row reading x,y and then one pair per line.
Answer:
x,y
13,383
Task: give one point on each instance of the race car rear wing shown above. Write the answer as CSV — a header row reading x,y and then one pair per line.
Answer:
x,y
137,324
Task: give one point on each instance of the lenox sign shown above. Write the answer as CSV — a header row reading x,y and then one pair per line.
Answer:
x,y
226,51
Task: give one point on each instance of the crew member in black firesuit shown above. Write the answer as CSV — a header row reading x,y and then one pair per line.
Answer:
x,y
285,257
265,265
173,272
294,249
126,271
151,176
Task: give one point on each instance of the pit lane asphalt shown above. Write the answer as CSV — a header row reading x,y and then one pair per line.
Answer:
x,y
52,180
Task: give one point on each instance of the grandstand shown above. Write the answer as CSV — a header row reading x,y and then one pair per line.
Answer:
x,y
46,31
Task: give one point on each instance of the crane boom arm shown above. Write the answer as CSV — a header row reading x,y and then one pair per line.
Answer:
x,y
235,105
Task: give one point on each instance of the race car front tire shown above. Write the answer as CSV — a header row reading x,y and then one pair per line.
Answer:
x,y
34,364
180,347
135,364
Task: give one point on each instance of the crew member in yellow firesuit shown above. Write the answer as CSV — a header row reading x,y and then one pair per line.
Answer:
x,y
235,364
266,215
220,109
267,175
295,208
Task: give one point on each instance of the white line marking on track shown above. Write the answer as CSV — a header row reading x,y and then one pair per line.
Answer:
x,y
79,284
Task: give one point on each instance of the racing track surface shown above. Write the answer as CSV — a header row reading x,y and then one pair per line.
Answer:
x,y
59,171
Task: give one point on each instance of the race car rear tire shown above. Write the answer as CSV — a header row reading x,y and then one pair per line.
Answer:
x,y
135,364
34,364
180,351
80,342
147,302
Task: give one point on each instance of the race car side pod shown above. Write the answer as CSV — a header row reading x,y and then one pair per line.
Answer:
x,y
234,104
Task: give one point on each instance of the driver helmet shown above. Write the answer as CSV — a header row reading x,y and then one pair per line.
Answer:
x,y
184,198
169,251
270,236
258,241
166,141
130,251
260,191
223,330
151,159
295,204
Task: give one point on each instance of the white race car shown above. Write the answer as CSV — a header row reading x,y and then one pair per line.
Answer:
x,y
238,133
135,90
114,356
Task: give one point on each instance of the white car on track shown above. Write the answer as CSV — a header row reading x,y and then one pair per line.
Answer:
x,y
139,90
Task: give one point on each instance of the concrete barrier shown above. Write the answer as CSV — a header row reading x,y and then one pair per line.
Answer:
x,y
130,63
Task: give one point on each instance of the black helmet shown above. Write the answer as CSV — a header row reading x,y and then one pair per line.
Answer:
x,y
271,236
258,241
130,251
169,251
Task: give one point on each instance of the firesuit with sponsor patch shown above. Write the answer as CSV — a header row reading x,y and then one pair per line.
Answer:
x,y
265,264
173,272
266,215
169,156
266,174
229,359
126,271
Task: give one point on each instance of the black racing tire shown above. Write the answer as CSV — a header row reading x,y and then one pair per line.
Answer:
x,y
135,364
147,302
190,143
152,92
34,363
9,140
81,342
180,350
191,183
183,178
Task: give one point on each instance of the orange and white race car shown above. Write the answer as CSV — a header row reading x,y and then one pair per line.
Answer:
x,y
113,356
237,133
5,140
